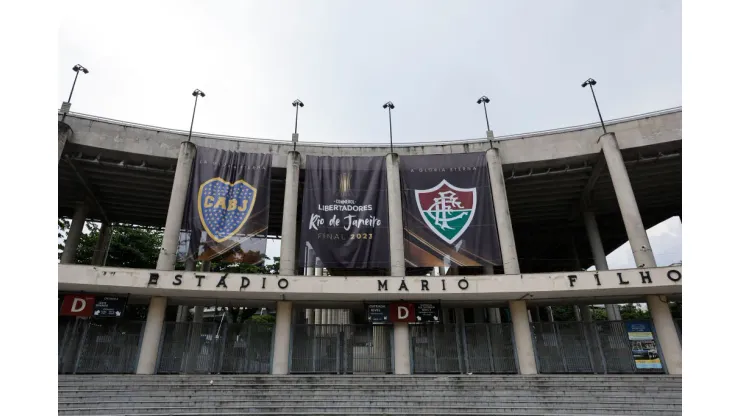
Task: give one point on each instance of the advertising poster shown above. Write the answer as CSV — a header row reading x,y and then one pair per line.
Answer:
x,y
226,215
344,223
448,211
644,349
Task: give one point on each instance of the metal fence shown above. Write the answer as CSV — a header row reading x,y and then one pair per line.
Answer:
x,y
341,349
469,348
215,348
109,346
584,347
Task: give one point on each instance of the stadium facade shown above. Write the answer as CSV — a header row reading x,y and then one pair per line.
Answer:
x,y
443,257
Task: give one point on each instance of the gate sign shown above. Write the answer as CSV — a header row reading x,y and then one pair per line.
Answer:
x,y
109,306
77,305
402,312
427,312
377,312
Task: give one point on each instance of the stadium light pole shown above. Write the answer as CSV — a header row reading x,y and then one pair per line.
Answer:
x,y
77,68
297,103
591,82
485,101
389,105
196,93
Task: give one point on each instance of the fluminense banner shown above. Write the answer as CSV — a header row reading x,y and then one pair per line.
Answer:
x,y
226,214
448,216
345,213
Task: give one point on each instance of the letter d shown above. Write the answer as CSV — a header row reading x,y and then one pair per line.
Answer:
x,y
403,312
78,301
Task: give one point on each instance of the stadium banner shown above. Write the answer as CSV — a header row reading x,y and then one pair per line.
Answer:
x,y
345,213
644,350
227,211
448,217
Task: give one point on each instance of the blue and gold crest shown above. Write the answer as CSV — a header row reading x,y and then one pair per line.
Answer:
x,y
224,207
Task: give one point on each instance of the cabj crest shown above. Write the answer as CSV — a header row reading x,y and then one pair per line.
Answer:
x,y
224,207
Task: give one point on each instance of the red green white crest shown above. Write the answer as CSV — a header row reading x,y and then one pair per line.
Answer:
x,y
446,209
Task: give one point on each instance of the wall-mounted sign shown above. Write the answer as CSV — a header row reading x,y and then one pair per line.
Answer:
x,y
427,312
644,350
109,306
402,312
77,305
378,313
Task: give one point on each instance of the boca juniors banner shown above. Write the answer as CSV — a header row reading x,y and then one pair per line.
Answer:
x,y
226,214
345,213
448,211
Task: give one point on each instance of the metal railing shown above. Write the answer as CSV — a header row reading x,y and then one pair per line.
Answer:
x,y
215,348
584,347
469,348
341,349
99,346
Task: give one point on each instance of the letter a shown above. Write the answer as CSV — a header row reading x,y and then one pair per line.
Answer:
x,y
221,202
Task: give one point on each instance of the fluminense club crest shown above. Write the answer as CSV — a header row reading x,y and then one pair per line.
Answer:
x,y
446,209
224,207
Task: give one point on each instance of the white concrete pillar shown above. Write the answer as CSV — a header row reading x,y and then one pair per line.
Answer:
x,y
501,207
281,349
401,358
167,256
441,271
665,329
74,234
171,236
101,246
597,250
152,332
641,250
395,216
324,316
518,308
522,337
550,315
577,312
290,211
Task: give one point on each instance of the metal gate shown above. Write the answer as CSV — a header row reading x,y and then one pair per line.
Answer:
x,y
341,349
215,348
469,348
584,347
99,346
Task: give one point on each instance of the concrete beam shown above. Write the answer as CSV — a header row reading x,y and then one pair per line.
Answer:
x,y
82,177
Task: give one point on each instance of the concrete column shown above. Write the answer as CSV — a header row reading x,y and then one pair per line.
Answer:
x,y
290,211
641,250
636,233
171,236
152,331
503,218
597,250
182,313
401,357
324,316
522,337
518,308
550,315
665,329
577,312
317,316
281,349
73,235
395,217
102,245
441,271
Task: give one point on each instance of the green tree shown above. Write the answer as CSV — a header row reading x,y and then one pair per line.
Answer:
x,y
630,311
263,319
131,246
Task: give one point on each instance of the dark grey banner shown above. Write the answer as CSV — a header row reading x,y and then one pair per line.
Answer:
x,y
226,215
448,211
345,213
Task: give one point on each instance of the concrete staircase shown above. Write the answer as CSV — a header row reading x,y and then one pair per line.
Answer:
x,y
370,395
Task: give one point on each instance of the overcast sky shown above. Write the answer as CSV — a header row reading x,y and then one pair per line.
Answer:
x,y
433,59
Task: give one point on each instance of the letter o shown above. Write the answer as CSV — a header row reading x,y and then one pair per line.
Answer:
x,y
460,284
674,275
283,283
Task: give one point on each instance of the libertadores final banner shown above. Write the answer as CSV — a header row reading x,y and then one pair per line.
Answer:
x,y
226,214
448,217
345,213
